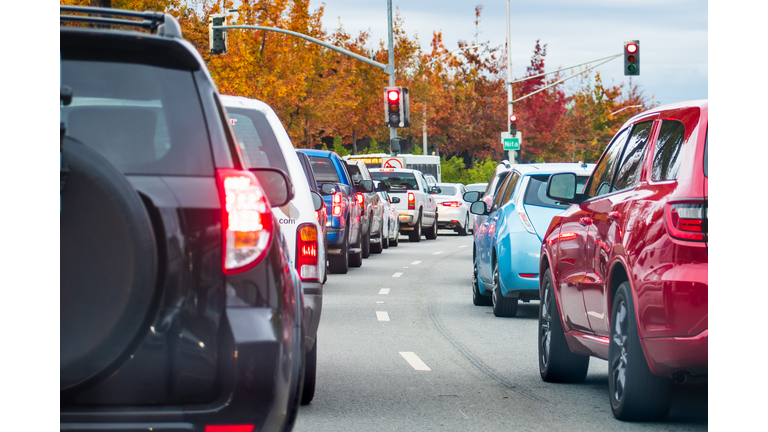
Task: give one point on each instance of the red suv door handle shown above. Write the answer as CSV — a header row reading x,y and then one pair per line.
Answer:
x,y
613,215
585,221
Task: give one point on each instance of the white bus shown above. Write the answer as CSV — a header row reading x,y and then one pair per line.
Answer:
x,y
425,164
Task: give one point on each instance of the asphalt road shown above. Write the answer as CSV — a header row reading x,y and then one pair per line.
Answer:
x,y
409,309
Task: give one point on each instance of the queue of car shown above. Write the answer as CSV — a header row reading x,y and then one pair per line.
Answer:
x,y
617,254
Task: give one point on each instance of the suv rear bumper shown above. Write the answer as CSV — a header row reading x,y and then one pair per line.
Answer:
x,y
669,355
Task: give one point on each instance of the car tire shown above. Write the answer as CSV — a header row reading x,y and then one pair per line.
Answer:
x,y
339,264
385,242
463,229
393,242
310,375
293,409
431,233
378,247
365,244
477,298
502,306
636,394
415,235
556,361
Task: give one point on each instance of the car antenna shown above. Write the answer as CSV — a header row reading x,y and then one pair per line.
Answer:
x,y
582,164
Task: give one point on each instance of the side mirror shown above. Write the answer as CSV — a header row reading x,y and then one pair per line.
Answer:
x,y
327,189
317,201
473,196
562,187
478,208
435,190
365,186
276,184
395,200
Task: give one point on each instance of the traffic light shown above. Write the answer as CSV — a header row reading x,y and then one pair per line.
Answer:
x,y
217,38
632,57
513,124
396,112
395,145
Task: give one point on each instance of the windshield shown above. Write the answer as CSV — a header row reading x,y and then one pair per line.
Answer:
x,y
536,194
398,181
324,170
447,190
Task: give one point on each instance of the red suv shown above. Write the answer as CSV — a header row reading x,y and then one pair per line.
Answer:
x,y
625,267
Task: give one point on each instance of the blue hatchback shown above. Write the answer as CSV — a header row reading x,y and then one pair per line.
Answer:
x,y
508,242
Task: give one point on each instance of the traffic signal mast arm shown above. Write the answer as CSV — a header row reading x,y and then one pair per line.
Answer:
x,y
564,79
386,68
609,58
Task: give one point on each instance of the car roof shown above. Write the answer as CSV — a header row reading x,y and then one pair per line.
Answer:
x,y
317,153
552,168
450,184
394,169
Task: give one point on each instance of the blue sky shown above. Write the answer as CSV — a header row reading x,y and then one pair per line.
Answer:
x,y
672,34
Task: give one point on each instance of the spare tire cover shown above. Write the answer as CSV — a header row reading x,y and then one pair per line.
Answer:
x,y
108,265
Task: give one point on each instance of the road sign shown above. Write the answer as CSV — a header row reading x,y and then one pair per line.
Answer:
x,y
393,163
510,142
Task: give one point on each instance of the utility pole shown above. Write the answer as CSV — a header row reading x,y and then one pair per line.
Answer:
x,y
509,82
392,131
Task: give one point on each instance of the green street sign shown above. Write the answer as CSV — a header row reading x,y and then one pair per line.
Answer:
x,y
511,143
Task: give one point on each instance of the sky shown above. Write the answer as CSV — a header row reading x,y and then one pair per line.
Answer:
x,y
672,34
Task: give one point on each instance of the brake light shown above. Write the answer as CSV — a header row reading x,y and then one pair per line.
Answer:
x,y
306,251
360,199
337,204
687,220
528,275
230,428
450,203
246,220
411,201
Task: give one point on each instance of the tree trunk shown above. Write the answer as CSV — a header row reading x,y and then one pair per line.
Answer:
x,y
354,142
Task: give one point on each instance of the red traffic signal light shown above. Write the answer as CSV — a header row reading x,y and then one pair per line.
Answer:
x,y
631,48
396,112
632,57
393,96
512,118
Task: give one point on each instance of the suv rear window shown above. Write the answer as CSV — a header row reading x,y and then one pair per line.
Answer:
x,y
536,194
143,119
398,181
256,139
324,170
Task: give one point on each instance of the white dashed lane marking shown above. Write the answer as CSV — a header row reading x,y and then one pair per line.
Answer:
x,y
437,253
416,263
384,291
462,246
382,316
414,361
398,274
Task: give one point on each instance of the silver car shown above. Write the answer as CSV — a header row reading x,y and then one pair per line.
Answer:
x,y
390,221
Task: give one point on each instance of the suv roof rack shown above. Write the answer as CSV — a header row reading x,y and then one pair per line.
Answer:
x,y
162,23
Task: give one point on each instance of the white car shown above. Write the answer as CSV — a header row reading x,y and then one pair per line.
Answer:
x,y
417,209
453,211
390,234
263,141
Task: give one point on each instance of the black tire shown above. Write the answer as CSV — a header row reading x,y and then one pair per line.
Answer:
x,y
431,233
378,247
310,376
299,369
338,264
502,306
395,240
477,298
415,235
636,393
365,243
463,229
385,242
556,361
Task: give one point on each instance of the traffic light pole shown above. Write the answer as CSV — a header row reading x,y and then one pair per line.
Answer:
x,y
509,83
392,131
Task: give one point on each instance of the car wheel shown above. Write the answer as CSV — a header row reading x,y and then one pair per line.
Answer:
x,y
385,242
365,244
477,298
310,376
502,306
635,392
393,242
463,229
415,235
556,361
431,232
379,246
338,264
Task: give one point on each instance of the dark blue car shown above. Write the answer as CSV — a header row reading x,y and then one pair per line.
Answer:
x,y
335,184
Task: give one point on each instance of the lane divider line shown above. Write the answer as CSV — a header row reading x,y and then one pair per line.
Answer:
x,y
384,291
379,302
398,274
414,361
382,316
437,253
416,263
462,246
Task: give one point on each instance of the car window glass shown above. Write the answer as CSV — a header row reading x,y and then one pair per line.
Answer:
x,y
706,150
632,160
354,172
423,183
601,177
499,182
536,192
398,181
508,192
256,139
500,192
143,119
447,190
666,155
324,169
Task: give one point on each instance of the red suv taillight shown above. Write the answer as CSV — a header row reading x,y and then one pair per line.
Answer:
x,y
306,251
337,204
360,199
450,203
246,220
230,428
687,220
411,201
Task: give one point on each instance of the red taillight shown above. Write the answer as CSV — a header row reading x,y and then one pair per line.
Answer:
x,y
337,204
687,220
411,201
450,203
306,251
360,199
528,275
246,220
230,428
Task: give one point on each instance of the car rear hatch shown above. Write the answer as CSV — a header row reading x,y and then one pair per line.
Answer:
x,y
538,209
